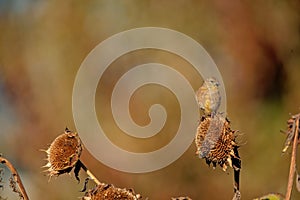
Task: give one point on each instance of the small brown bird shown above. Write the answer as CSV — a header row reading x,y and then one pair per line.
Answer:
x,y
208,96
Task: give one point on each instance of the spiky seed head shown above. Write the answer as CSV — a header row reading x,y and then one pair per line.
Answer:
x,y
63,153
215,141
110,192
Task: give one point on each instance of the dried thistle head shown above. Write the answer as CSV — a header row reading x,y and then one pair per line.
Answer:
x,y
63,153
215,141
109,192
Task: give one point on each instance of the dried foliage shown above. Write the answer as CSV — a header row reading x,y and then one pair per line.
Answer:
x,y
13,186
110,192
15,181
293,132
63,156
64,153
216,143
215,140
292,139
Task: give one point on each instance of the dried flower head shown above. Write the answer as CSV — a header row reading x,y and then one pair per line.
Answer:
x,y
63,153
109,192
15,181
215,141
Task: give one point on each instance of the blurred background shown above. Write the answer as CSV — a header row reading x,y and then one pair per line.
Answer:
x,y
255,44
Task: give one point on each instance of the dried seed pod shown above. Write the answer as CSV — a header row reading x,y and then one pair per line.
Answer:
x,y
215,141
109,192
63,153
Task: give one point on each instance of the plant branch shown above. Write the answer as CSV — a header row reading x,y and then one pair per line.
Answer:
x,y
89,173
16,176
293,159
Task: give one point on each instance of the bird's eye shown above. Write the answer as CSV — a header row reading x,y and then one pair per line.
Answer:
x,y
215,82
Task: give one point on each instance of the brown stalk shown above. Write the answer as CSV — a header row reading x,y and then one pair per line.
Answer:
x,y
293,159
16,177
89,173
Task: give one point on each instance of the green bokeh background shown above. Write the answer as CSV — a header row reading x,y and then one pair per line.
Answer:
x,y
255,44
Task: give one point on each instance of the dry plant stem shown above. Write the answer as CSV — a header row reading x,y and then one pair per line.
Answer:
x,y
293,161
236,180
15,176
89,173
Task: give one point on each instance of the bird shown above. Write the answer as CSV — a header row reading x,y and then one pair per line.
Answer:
x,y
208,96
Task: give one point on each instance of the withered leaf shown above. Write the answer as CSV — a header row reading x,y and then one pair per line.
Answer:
x,y
13,186
289,138
291,131
85,184
77,168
